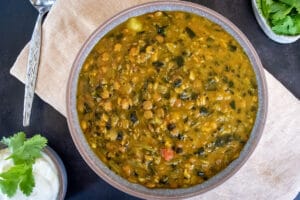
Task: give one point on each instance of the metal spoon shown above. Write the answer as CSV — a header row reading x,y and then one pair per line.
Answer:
x,y
43,6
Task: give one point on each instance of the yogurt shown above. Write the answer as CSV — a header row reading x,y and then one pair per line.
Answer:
x,y
45,175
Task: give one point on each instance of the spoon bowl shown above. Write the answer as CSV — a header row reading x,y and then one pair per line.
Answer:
x,y
42,4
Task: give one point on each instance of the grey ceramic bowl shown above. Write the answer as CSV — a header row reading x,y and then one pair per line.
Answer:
x,y
135,189
62,174
283,39
61,170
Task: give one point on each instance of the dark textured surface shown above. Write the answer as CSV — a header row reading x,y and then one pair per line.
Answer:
x,y
17,18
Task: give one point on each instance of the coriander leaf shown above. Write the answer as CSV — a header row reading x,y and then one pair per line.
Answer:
x,y
269,2
30,150
297,23
24,154
277,6
289,2
297,6
8,187
14,171
284,26
27,183
10,179
265,7
282,13
14,142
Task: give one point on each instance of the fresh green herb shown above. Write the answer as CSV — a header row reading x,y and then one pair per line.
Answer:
x,y
158,64
282,15
184,96
223,140
232,47
171,126
17,175
133,117
177,82
200,151
24,153
203,111
161,30
190,32
232,104
179,61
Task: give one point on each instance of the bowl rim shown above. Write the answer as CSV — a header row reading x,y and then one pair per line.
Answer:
x,y
135,189
60,167
61,170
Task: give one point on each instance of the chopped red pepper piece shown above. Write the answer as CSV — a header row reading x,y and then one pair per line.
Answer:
x,y
167,154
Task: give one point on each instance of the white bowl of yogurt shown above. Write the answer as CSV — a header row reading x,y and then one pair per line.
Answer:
x,y
49,173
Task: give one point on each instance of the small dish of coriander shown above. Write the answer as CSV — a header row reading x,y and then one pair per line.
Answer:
x,y
279,19
29,169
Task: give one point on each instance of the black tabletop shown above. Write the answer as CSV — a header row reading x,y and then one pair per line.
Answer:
x,y
17,19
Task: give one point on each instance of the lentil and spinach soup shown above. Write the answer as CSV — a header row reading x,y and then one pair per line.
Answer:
x,y
167,99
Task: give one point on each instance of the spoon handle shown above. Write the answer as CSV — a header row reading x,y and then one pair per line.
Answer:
x,y
32,68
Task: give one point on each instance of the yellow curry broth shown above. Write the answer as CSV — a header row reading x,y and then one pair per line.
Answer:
x,y
167,99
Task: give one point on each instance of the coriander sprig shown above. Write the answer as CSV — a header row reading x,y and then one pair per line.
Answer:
x,y
24,152
282,15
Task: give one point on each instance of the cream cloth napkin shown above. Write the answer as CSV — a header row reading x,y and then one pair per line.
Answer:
x,y
272,172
